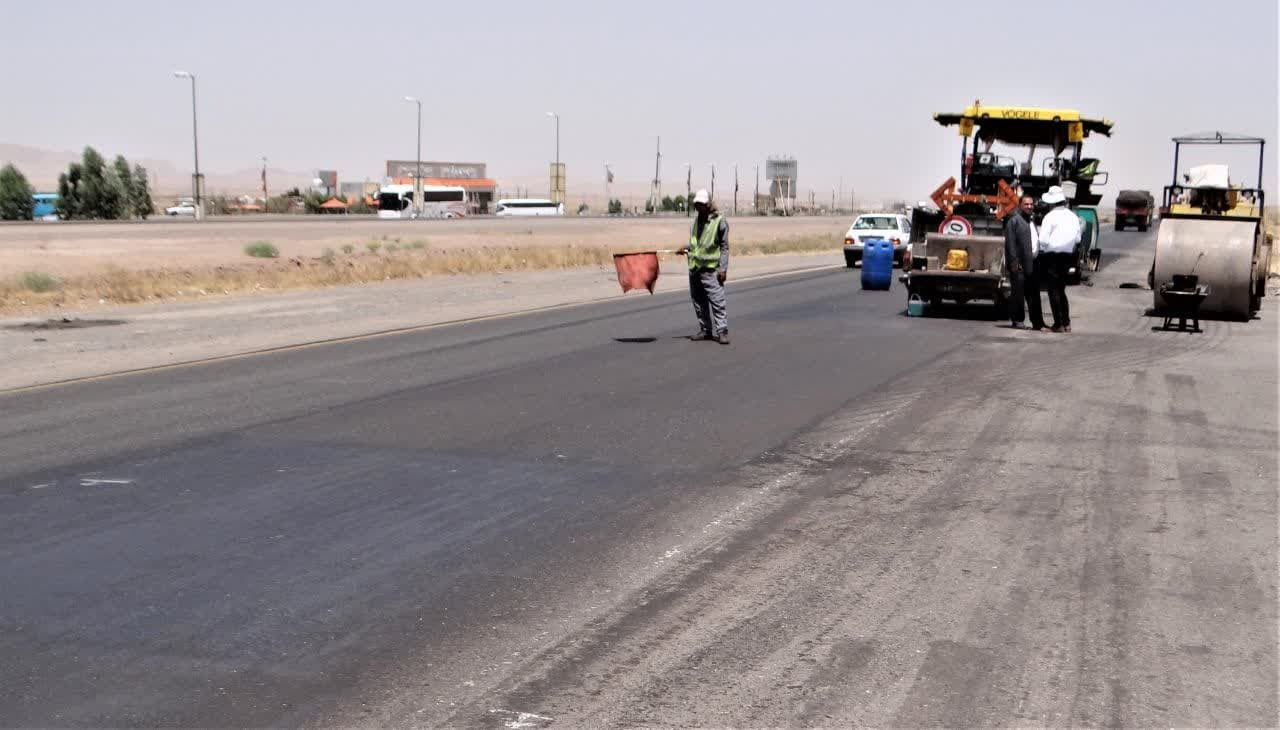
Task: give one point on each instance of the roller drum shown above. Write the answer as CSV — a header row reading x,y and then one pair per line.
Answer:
x,y
1226,265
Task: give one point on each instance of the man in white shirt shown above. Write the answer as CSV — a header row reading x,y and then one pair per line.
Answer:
x,y
1060,232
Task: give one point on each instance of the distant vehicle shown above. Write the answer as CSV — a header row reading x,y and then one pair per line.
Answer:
x,y
891,227
528,207
45,206
438,201
1134,208
183,208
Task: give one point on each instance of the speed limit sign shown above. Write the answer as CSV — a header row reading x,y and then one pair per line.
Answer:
x,y
956,226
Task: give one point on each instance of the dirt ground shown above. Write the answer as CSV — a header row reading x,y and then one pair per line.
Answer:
x,y
67,249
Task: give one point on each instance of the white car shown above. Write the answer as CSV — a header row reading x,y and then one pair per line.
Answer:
x,y
891,227
184,208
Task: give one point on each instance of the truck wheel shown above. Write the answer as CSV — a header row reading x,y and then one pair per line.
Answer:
x,y
1142,227
1119,226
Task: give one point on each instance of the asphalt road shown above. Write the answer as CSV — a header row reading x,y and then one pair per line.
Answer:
x,y
578,518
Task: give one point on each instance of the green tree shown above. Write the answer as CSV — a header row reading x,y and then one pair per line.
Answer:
x,y
312,201
615,207
94,194
140,194
70,205
124,177
16,203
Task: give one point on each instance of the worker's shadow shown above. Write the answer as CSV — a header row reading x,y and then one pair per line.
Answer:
x,y
967,312
1152,313
635,340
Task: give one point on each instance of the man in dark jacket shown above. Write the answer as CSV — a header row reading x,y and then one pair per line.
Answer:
x,y
1020,249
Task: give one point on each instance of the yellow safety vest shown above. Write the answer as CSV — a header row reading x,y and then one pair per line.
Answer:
x,y
704,251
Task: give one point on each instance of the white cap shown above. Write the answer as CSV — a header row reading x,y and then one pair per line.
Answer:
x,y
702,196
1054,195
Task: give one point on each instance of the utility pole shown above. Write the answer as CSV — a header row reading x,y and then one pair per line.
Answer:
x,y
265,198
735,189
608,180
657,178
755,202
713,181
688,188
840,197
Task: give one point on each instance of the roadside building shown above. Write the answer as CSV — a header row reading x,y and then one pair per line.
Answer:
x,y
470,176
354,191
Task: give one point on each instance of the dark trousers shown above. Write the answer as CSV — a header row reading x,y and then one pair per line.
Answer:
x,y
1053,276
1024,298
709,302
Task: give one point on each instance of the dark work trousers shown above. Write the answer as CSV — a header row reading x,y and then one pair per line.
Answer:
x,y
708,301
1052,268
1024,298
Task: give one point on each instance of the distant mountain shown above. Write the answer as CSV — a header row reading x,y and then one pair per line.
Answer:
x,y
42,167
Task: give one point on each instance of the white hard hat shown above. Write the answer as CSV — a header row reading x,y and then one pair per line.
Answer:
x,y
1054,195
702,196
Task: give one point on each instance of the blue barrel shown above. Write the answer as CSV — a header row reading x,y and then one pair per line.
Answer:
x,y
877,264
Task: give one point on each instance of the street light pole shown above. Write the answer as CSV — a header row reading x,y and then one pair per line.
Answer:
x,y
417,169
556,178
195,140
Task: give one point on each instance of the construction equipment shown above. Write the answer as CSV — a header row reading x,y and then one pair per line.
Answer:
x,y
1135,208
991,179
959,268
1213,228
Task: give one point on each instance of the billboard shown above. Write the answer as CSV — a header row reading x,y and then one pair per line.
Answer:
x,y
780,168
437,169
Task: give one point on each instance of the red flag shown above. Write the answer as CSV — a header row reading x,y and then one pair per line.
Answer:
x,y
636,270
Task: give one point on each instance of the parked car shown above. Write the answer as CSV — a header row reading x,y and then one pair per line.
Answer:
x,y
891,227
185,208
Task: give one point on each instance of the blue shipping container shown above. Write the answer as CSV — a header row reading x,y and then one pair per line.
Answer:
x,y
877,264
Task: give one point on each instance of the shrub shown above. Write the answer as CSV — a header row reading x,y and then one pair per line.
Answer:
x,y
262,250
328,255
39,282
373,246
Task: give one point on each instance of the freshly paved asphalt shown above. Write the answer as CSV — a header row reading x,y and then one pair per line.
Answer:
x,y
579,517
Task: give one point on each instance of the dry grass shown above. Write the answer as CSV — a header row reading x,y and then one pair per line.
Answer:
x,y
123,286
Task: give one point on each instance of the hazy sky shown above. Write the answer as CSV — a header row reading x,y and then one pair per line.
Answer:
x,y
846,87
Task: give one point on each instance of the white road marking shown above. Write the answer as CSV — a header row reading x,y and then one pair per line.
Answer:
x,y
522,719
41,486
84,482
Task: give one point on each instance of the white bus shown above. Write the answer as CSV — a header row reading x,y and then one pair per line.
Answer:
x,y
528,206
438,201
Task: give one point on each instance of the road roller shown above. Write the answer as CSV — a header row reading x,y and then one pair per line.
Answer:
x,y
1212,242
